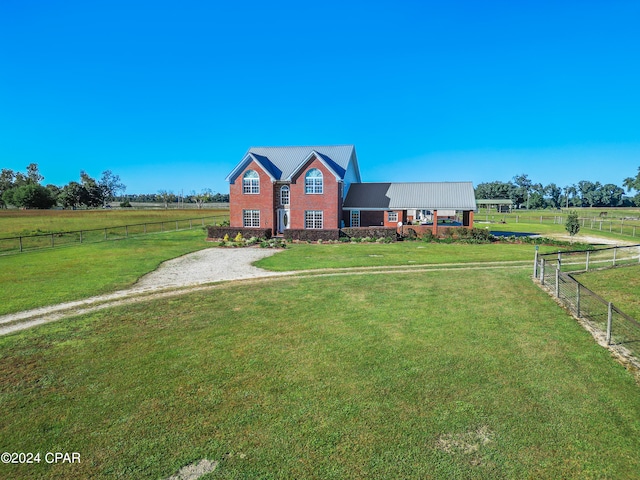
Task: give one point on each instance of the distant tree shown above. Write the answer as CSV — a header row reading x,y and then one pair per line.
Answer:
x,y
73,195
201,198
572,225
553,195
94,194
30,196
33,174
111,185
7,177
165,197
520,193
631,183
494,190
611,195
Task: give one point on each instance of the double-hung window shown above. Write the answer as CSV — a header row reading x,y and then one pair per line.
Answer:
x,y
313,219
251,218
313,181
392,216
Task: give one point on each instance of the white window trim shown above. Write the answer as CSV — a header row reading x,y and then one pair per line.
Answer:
x,y
250,218
313,218
395,216
314,185
288,190
251,184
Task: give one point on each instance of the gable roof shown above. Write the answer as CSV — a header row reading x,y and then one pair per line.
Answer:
x,y
405,196
281,163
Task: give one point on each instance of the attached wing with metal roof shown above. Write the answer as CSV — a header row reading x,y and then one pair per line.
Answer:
x,y
408,196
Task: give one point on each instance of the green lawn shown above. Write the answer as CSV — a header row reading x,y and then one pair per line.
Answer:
x,y
312,256
27,222
51,276
618,285
461,374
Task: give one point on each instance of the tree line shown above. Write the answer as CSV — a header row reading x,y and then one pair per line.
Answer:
x,y
524,193
25,190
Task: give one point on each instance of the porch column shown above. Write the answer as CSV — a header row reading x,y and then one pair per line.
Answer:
x,y
434,229
470,218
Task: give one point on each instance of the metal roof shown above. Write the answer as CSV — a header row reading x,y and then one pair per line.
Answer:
x,y
405,196
282,162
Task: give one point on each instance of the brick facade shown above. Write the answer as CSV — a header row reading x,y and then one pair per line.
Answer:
x,y
264,201
329,201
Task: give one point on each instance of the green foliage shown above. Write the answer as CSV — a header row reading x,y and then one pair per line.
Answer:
x,y
30,195
125,204
572,224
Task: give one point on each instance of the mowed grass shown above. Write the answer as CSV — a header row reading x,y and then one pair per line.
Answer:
x,y
313,256
618,285
51,276
26,222
455,374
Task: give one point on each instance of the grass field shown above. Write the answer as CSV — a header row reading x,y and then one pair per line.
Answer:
x,y
618,285
51,276
460,374
313,256
28,222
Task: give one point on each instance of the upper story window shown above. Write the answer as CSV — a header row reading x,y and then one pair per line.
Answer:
x,y
251,182
284,195
313,181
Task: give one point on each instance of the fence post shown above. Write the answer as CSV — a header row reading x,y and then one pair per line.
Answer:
x,y
21,245
52,245
176,225
535,264
105,233
80,236
578,300
587,266
609,321
542,272
615,250
557,283
126,231
559,259
190,225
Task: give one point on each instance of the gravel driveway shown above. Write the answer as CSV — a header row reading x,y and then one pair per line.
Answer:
x,y
198,268
206,266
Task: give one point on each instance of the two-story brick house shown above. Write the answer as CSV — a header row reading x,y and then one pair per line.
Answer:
x,y
292,187
319,187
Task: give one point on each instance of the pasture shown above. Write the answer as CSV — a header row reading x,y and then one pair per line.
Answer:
x,y
30,222
439,374
618,285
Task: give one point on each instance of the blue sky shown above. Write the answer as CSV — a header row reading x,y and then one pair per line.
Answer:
x,y
170,95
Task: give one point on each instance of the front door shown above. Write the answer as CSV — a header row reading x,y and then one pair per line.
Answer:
x,y
283,219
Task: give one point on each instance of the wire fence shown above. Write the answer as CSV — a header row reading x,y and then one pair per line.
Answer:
x,y
554,272
630,227
25,243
